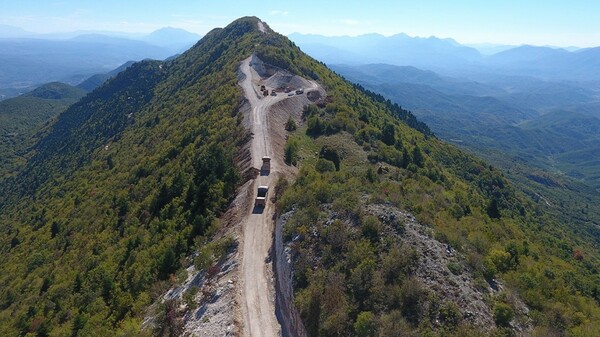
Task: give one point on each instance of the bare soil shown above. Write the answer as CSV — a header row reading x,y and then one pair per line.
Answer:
x,y
267,117
239,300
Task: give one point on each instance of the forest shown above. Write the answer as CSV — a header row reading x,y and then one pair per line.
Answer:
x,y
126,184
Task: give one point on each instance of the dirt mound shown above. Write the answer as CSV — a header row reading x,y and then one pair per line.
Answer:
x,y
281,80
277,78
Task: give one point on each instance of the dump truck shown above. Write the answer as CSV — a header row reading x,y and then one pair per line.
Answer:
x,y
273,93
266,164
261,197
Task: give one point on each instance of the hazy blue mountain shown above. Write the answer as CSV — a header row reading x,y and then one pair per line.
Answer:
x,y
548,63
545,123
448,57
172,37
525,54
7,31
390,74
29,59
489,48
399,49
27,62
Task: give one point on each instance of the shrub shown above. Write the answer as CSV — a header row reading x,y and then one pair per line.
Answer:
x,y
388,134
503,314
365,325
168,321
189,298
371,228
290,125
455,268
331,154
501,260
291,152
315,126
449,314
324,165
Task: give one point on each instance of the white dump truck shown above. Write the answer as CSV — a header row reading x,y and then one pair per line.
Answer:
x,y
266,165
261,197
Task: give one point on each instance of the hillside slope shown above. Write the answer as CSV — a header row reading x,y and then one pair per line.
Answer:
x,y
22,116
127,186
119,188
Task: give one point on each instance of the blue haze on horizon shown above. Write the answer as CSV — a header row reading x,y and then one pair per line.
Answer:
x,y
549,22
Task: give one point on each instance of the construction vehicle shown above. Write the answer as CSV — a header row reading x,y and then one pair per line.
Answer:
x,y
299,91
261,197
266,165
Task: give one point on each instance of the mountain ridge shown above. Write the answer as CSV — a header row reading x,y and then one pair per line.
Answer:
x,y
126,188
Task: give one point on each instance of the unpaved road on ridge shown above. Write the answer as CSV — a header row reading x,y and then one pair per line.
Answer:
x,y
258,302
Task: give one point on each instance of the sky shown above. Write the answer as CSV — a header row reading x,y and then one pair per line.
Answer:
x,y
537,22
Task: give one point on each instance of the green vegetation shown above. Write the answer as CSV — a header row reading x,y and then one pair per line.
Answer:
x,y
352,273
290,125
23,116
291,152
120,188
131,179
542,134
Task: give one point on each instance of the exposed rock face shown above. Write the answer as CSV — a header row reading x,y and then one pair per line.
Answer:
x,y
286,311
444,271
440,268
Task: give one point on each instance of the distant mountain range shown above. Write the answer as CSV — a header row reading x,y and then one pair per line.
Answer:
x,y
553,125
161,37
28,59
23,118
449,57
399,49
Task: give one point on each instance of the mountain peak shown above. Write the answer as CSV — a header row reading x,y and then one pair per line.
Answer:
x,y
169,36
249,24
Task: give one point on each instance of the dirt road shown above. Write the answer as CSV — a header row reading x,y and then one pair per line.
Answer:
x,y
258,303
257,279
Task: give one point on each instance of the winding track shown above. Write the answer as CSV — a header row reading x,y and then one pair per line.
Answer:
x,y
258,300
257,279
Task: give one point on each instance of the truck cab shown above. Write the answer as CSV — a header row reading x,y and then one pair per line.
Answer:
x,y
261,197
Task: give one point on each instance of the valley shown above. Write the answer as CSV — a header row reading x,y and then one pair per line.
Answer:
x,y
132,208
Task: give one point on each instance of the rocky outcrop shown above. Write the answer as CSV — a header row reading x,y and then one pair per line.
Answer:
x,y
288,316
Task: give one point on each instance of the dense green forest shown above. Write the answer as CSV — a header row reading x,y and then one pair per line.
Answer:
x,y
97,224
120,188
21,117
